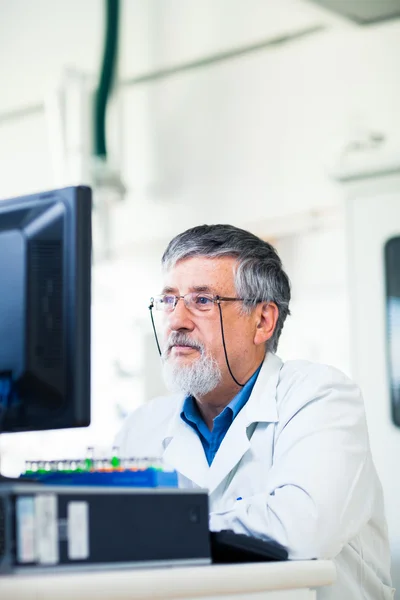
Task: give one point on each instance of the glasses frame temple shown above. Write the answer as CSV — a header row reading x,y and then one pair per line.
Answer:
x,y
218,300
151,306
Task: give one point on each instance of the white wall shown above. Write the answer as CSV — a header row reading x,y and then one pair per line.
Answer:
x,y
262,128
250,141
373,218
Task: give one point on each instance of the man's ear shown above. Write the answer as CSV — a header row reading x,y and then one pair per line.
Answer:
x,y
267,316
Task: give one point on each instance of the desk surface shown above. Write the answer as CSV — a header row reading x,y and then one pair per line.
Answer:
x,y
173,582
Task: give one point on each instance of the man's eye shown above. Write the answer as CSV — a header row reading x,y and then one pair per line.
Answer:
x,y
168,300
203,300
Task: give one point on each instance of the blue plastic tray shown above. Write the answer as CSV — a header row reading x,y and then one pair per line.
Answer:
x,y
148,478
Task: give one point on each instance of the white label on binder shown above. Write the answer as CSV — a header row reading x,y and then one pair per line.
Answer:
x,y
25,523
46,529
78,530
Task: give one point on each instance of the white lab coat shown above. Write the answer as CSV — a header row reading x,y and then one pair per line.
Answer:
x,y
298,455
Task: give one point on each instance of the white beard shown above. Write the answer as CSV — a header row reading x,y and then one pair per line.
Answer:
x,y
197,379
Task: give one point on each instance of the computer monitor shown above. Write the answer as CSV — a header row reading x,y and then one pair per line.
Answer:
x,y
45,291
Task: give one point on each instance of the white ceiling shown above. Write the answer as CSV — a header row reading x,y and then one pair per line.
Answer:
x,y
158,34
39,39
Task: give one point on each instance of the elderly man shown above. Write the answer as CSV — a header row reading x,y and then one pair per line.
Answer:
x,y
282,447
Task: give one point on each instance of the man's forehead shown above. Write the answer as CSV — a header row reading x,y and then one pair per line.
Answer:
x,y
201,271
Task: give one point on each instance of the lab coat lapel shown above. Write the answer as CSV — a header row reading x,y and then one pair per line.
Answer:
x,y
260,407
184,451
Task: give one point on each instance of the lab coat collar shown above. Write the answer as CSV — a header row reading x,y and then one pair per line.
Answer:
x,y
260,408
184,450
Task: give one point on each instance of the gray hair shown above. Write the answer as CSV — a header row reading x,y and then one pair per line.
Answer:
x,y
259,275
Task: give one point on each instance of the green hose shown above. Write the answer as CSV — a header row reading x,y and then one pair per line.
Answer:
x,y
106,76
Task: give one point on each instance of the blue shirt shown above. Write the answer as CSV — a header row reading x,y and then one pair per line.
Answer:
x,y
212,440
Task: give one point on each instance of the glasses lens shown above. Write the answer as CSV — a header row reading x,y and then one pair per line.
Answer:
x,y
164,302
200,302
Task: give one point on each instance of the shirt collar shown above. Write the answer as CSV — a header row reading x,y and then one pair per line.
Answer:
x,y
261,406
191,413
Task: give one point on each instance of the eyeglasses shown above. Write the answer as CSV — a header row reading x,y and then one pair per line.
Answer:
x,y
197,302
194,301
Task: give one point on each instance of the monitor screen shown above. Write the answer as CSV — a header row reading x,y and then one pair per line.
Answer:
x,y
45,279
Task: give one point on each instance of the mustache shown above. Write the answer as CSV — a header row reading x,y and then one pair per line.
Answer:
x,y
182,339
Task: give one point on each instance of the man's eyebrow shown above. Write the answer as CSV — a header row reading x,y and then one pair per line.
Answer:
x,y
203,288
195,288
169,290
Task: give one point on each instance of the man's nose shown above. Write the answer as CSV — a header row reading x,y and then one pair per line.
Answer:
x,y
180,317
